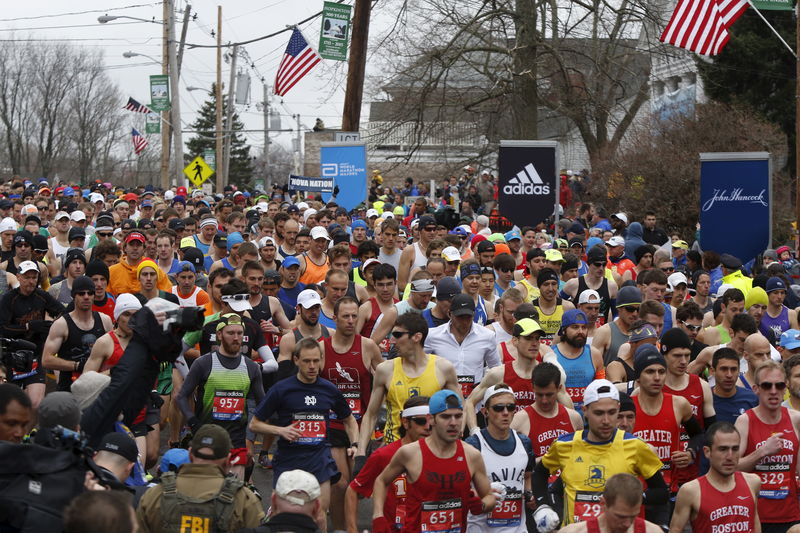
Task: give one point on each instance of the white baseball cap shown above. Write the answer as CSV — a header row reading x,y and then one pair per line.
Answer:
x,y
297,487
262,206
8,224
238,302
169,195
720,291
302,205
622,216
372,213
77,216
451,253
318,232
616,240
494,391
126,302
308,298
27,266
60,215
308,213
676,279
266,240
599,389
96,197
29,209
589,296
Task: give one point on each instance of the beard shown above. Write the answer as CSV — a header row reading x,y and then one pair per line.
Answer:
x,y
578,341
309,321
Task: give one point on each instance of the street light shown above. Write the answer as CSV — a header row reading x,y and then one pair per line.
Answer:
x,y
130,54
104,19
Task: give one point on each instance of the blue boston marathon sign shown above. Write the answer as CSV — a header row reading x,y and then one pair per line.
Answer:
x,y
736,203
346,165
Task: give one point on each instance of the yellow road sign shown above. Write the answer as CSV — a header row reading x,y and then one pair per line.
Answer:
x,y
198,171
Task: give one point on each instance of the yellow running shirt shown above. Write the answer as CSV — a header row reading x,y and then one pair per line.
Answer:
x,y
401,388
585,467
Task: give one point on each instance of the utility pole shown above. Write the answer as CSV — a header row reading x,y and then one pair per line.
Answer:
x,y
187,13
267,183
356,66
177,135
218,108
229,115
299,161
165,115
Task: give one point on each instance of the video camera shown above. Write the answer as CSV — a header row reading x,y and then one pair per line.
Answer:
x,y
185,318
66,439
18,355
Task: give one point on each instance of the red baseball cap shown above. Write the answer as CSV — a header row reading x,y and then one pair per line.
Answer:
x,y
135,236
131,197
180,191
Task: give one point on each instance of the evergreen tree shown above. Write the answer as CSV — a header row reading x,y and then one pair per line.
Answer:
x,y
756,70
240,162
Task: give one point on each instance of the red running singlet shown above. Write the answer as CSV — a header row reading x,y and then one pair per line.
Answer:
x,y
543,431
347,371
522,387
115,355
777,499
593,526
507,357
694,395
436,502
662,432
725,511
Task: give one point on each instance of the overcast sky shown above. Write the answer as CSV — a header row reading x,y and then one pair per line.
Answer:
x,y
319,94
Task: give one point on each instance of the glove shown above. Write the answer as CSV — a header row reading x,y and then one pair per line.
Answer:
x,y
546,519
194,424
358,463
499,490
475,505
336,190
381,525
39,326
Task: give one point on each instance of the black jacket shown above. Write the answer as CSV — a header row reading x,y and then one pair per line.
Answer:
x,y
286,523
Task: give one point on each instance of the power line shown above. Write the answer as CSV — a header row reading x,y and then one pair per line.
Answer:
x,y
70,26
106,10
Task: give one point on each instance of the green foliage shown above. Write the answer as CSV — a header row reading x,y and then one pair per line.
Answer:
x,y
755,70
241,163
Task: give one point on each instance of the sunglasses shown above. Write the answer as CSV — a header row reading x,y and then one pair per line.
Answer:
x,y
669,269
104,235
631,308
768,385
240,297
506,270
84,293
420,420
22,245
691,327
500,407
399,334
598,264
429,228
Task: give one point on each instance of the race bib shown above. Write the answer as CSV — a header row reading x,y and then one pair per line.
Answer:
x,y
311,426
775,479
228,405
353,402
507,513
587,505
399,485
467,384
442,516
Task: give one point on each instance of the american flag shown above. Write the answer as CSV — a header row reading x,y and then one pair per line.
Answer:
x,y
139,142
702,25
297,61
135,106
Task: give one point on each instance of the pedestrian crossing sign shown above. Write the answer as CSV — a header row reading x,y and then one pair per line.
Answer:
x,y
198,171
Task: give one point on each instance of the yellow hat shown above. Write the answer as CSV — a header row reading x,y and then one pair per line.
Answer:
x,y
756,295
146,263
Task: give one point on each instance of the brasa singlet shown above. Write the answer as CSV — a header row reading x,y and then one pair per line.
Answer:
x,y
403,387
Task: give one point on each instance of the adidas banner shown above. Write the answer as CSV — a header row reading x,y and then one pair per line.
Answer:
x,y
528,190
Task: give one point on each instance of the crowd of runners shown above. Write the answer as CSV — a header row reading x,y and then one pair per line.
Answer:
x,y
417,355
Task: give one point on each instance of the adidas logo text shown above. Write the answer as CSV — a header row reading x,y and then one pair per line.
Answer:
x,y
527,181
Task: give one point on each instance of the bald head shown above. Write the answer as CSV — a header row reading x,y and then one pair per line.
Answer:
x,y
756,343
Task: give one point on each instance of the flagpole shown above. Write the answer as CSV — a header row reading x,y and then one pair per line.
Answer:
x,y
778,35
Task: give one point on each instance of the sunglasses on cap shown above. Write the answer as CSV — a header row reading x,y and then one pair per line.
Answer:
x,y
236,297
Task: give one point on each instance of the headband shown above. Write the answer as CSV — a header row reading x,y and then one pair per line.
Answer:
x,y
208,222
422,285
419,410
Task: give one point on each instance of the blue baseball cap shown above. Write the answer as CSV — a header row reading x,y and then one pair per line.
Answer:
x,y
470,269
790,339
358,224
775,284
513,234
572,317
444,400
69,191
458,231
183,266
234,239
173,459
290,262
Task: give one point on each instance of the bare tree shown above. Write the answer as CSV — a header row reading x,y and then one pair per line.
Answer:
x,y
501,63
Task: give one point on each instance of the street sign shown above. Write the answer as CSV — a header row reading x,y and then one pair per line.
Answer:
x,y
152,123
210,156
346,136
774,5
159,92
198,171
334,32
